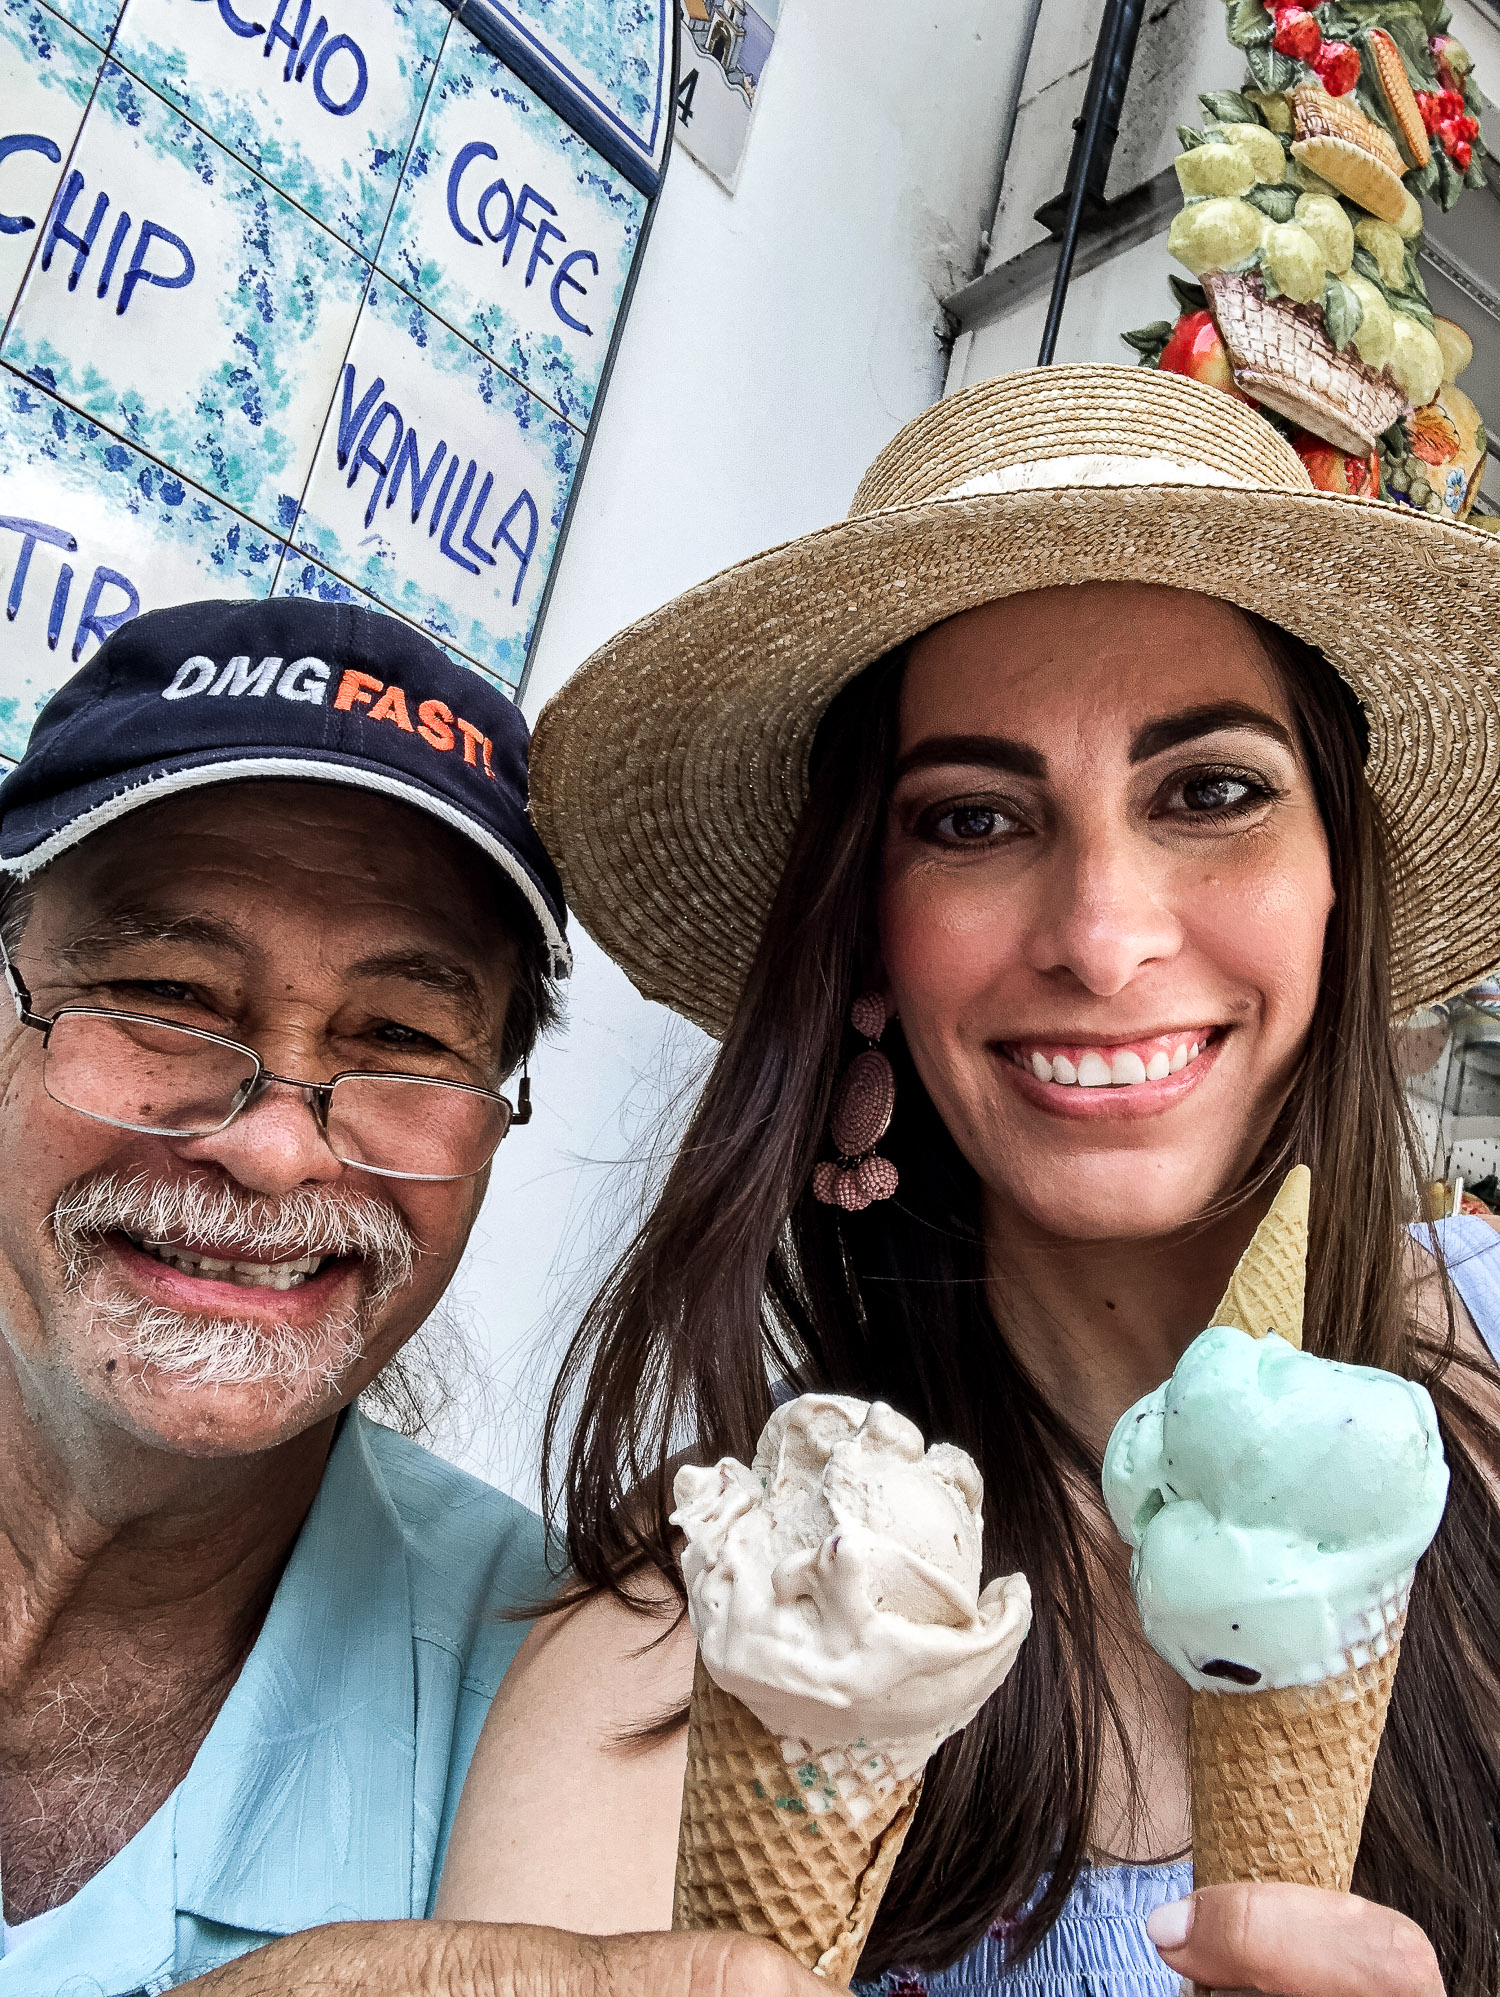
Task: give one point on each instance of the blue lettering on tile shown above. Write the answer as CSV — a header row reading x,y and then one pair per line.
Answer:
x,y
25,142
94,621
505,226
175,266
374,433
340,74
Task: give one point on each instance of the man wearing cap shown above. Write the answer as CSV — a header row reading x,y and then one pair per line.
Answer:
x,y
277,931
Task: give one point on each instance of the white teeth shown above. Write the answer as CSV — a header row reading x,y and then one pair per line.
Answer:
x,y
247,1275
1121,1071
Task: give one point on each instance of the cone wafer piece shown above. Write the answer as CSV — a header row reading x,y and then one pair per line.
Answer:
x,y
776,1842
1316,114
1353,171
1335,140
1349,150
1269,1283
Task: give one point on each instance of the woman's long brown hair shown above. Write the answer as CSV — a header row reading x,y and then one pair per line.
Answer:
x,y
739,1275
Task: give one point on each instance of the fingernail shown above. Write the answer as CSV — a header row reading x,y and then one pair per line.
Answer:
x,y
1170,1925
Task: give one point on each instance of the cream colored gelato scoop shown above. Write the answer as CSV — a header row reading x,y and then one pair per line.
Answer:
x,y
834,1585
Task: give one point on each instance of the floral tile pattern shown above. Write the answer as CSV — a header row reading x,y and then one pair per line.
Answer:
x,y
440,484
513,230
301,576
183,303
47,73
322,103
94,18
90,533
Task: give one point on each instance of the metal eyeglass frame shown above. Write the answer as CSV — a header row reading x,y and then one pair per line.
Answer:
x,y
317,1095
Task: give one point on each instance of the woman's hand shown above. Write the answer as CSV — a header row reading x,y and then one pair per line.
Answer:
x,y
1297,1941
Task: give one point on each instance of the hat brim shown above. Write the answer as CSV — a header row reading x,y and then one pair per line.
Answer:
x,y
668,774
93,806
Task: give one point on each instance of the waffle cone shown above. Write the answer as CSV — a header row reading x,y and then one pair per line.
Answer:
x,y
1266,1290
1280,1779
799,1850
1336,141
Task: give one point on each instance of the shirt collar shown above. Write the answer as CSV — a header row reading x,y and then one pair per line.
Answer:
x,y
298,1806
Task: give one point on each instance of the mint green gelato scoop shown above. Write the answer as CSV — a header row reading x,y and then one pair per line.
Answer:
x,y
1277,1504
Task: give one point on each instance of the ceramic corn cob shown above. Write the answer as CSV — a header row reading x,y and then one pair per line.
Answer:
x,y
1400,99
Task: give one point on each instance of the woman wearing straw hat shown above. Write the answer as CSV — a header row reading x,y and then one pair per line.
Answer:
x,y
1136,787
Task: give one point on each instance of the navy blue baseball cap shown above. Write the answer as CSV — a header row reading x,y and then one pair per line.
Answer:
x,y
209,693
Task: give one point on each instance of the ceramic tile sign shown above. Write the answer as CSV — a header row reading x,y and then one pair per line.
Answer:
x,y
440,483
47,76
187,306
606,63
326,119
725,47
307,297
92,531
506,226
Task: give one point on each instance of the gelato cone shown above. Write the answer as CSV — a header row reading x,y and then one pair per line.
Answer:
x,y
1277,1505
843,1636
799,1852
1280,1780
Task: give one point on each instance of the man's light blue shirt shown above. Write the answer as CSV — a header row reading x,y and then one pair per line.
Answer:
x,y
326,1787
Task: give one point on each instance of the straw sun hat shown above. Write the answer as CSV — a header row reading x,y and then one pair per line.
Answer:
x,y
668,774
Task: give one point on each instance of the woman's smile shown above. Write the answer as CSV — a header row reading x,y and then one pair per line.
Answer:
x,y
1146,1075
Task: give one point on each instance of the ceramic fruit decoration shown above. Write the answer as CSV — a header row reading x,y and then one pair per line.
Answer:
x,y
1333,470
1436,459
1300,226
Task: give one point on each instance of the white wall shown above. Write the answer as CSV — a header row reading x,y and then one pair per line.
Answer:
x,y
778,338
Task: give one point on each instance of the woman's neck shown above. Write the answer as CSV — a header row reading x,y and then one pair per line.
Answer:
x,y
1097,1324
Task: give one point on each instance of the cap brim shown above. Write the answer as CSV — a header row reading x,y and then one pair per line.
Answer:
x,y
93,806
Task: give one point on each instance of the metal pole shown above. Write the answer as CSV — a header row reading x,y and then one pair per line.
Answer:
x,y
1114,53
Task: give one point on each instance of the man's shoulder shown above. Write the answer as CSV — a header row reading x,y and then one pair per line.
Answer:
x,y
475,1557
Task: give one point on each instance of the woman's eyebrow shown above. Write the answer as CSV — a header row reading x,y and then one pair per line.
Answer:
x,y
1171,730
1000,752
995,752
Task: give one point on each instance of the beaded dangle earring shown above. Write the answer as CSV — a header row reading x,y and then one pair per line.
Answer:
x,y
863,1104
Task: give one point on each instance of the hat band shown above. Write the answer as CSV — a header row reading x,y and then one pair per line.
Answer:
x,y
1085,468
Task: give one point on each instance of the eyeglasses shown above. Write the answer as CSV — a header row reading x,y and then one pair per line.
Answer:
x,y
137,1072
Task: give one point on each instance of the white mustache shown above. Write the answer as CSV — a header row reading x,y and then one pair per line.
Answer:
x,y
308,1220
204,1348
